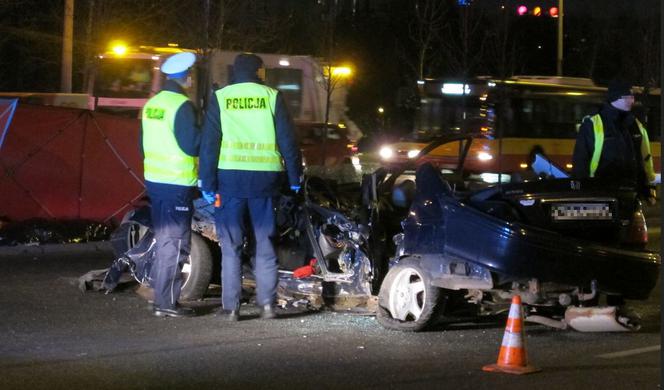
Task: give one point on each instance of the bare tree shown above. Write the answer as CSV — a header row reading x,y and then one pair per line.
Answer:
x,y
464,42
501,52
425,31
645,54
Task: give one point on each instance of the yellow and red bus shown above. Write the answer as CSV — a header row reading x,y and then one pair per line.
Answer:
x,y
511,118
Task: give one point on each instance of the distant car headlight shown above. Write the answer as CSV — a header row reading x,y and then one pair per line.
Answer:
x,y
413,153
484,156
386,152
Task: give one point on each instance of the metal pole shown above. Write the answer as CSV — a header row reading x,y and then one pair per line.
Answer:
x,y
559,57
89,48
67,47
661,146
207,25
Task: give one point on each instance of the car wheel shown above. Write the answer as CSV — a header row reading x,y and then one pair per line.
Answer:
x,y
407,300
196,271
126,236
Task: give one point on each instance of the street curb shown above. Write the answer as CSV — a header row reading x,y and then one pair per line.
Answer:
x,y
48,249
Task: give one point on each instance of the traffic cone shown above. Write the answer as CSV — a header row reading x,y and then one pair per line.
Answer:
x,y
512,358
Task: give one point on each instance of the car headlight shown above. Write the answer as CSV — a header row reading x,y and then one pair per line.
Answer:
x,y
413,153
386,152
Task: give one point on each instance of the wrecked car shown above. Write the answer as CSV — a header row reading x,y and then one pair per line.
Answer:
x,y
435,242
566,246
325,222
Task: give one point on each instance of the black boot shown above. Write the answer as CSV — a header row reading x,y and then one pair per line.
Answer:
x,y
177,311
267,312
228,315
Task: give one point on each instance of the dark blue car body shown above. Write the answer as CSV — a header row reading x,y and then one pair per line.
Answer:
x,y
506,233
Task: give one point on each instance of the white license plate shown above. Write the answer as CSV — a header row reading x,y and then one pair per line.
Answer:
x,y
581,211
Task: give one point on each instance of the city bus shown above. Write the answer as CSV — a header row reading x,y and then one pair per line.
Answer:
x,y
511,119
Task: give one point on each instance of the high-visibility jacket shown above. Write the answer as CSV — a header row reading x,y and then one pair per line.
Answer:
x,y
646,157
164,161
248,131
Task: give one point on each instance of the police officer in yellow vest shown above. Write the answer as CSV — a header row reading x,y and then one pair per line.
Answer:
x,y
613,144
170,141
248,142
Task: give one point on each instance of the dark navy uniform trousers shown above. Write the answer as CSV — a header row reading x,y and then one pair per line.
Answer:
x,y
171,222
233,220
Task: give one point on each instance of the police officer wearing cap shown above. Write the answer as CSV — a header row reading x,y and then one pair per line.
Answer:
x,y
170,140
613,144
248,142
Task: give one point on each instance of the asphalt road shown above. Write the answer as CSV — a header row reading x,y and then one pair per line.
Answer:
x,y
53,336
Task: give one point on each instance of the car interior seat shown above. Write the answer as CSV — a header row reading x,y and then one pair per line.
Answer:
x,y
430,180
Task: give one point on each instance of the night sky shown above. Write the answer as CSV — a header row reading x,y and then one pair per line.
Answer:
x,y
603,39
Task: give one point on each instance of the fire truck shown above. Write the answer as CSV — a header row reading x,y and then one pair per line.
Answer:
x,y
124,78
76,155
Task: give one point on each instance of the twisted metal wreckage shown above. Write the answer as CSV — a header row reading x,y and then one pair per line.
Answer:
x,y
441,246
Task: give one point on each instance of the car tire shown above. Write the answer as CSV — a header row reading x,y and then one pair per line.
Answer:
x,y
126,236
407,300
196,273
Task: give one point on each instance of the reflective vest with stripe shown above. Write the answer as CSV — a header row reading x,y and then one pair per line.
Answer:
x,y
164,161
598,130
248,131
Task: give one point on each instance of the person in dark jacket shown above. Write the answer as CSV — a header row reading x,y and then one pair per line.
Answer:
x,y
248,142
613,145
170,141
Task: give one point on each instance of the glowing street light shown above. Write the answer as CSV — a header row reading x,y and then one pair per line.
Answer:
x,y
381,110
119,48
341,71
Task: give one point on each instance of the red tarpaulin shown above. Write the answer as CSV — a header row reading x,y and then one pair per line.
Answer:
x,y
69,164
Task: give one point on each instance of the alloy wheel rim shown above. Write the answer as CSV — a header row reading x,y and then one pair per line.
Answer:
x,y
407,295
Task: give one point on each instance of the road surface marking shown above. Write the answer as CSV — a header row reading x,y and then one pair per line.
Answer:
x,y
629,352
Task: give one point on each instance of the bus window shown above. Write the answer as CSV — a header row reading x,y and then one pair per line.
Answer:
x,y
549,116
289,82
453,115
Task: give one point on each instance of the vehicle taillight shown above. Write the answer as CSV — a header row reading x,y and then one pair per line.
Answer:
x,y
352,147
638,232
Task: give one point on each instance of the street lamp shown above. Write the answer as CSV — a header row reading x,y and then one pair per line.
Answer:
x,y
381,117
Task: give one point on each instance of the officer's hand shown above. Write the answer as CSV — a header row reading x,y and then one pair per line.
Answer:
x,y
208,196
295,189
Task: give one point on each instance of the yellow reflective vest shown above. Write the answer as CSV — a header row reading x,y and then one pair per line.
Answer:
x,y
164,161
598,130
248,132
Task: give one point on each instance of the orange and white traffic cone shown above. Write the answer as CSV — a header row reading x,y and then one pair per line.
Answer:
x,y
512,358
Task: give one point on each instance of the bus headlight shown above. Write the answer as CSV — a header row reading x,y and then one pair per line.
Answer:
x,y
413,153
484,156
386,152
